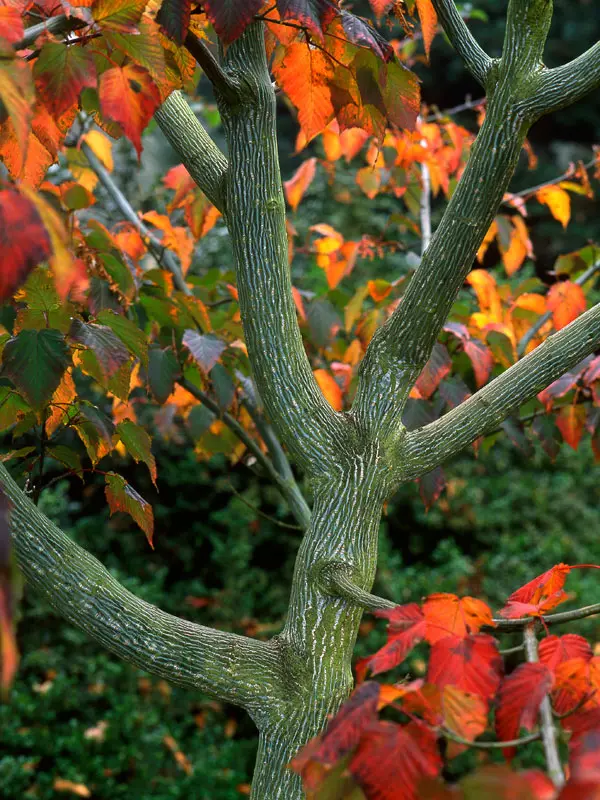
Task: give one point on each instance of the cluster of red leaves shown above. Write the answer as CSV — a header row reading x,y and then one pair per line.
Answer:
x,y
465,681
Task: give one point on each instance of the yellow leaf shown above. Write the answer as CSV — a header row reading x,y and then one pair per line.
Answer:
x,y
519,247
101,146
558,201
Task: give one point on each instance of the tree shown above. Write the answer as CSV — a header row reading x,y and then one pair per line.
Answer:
x,y
354,460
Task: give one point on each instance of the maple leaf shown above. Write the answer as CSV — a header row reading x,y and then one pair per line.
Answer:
x,y
471,663
428,19
390,760
566,301
129,96
230,17
464,713
24,241
304,75
570,421
449,615
299,182
519,698
558,201
539,595
554,650
61,73
575,680
121,496
406,627
314,15
431,485
174,18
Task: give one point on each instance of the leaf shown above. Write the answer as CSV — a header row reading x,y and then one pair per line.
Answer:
x,y
163,370
299,182
431,485
341,736
471,663
428,19
558,389
390,760
95,430
174,17
138,444
35,362
133,338
464,713
449,615
311,14
129,96
359,32
24,240
206,349
16,95
122,496
558,201
67,457
554,650
230,17
519,699
63,785
61,73
406,628
329,387
434,371
11,24
519,246
539,595
12,407
304,74
570,421
108,348
566,301
118,15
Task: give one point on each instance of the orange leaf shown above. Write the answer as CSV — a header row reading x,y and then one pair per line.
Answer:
x,y
299,182
129,96
539,595
486,291
519,248
379,289
448,615
464,713
428,19
487,240
330,389
303,75
566,301
519,699
555,650
558,201
9,653
570,421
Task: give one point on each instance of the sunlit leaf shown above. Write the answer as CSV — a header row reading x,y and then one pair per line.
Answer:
x,y
129,96
449,615
122,496
35,361
138,444
299,182
566,301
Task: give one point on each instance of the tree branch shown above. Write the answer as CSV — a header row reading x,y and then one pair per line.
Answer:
x,y
54,25
533,737
563,86
154,244
227,666
335,579
427,447
211,68
295,405
547,728
513,625
288,489
475,58
198,153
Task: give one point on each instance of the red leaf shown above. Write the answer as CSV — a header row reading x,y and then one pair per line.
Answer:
x,y
434,371
311,14
539,595
129,96
448,615
431,485
554,650
406,627
391,760
585,758
558,389
61,73
481,359
121,496
24,241
471,663
361,33
342,735
230,17
519,699
567,301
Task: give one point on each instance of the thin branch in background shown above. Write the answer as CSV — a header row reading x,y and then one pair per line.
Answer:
x,y
468,105
425,204
547,728
531,190
541,321
509,650
449,734
260,513
163,256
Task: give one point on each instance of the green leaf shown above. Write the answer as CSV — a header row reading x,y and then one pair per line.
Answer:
x,y
119,273
163,371
21,453
106,346
69,458
199,421
35,362
61,73
122,496
12,407
128,332
138,444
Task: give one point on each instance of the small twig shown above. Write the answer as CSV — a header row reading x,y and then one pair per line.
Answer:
x,y
575,708
154,244
547,728
541,321
55,25
262,513
212,69
468,105
509,650
508,625
334,578
533,737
